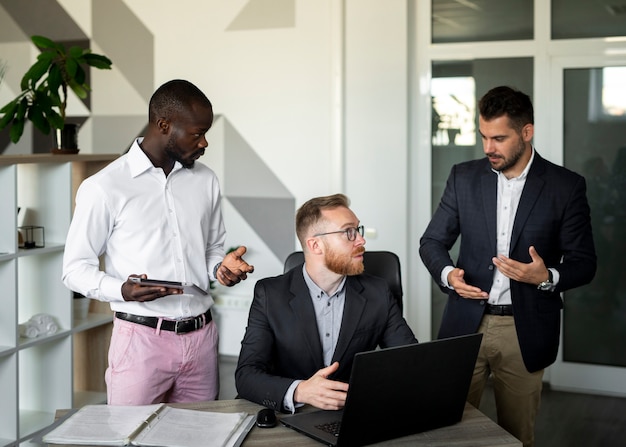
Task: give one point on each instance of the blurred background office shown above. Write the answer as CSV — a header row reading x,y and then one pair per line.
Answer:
x,y
372,98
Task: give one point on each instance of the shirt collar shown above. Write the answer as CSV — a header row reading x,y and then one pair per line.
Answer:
x,y
314,289
139,162
524,173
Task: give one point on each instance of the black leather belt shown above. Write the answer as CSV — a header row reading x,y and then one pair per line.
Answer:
x,y
178,326
502,310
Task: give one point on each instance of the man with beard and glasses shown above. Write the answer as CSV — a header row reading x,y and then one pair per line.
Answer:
x,y
525,232
306,325
155,213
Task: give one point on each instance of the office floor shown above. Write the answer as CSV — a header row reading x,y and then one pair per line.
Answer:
x,y
565,419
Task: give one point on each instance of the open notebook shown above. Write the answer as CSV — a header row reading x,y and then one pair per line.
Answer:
x,y
151,425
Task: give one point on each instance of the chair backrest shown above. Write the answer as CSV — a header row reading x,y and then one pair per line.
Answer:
x,y
383,264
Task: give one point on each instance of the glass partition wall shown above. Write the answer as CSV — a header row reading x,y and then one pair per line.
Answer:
x,y
594,137
455,90
570,57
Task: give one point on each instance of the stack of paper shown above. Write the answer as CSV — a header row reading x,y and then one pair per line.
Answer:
x,y
151,425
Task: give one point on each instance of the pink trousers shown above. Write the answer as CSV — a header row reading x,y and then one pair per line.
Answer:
x,y
148,366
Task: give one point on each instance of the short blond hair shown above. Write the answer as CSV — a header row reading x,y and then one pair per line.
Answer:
x,y
310,213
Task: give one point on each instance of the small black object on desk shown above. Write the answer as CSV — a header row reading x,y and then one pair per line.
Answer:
x,y
266,418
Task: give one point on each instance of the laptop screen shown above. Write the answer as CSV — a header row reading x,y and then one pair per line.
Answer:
x,y
400,391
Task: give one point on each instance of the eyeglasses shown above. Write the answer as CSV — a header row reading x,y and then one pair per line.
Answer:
x,y
350,232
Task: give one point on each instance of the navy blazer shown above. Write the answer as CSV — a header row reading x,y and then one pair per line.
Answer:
x,y
553,215
282,342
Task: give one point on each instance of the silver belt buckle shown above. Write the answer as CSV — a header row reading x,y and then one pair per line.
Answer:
x,y
176,326
195,324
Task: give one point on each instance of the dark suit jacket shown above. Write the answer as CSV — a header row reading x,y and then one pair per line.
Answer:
x,y
553,215
282,342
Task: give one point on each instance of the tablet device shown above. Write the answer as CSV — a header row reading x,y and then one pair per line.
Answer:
x,y
161,283
187,287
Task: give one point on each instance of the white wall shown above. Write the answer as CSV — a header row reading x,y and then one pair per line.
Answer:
x,y
273,85
376,107
322,100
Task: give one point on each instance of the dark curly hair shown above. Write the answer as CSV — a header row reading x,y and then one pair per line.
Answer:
x,y
174,97
503,100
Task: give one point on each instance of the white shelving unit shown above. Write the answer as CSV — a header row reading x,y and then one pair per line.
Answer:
x,y
61,370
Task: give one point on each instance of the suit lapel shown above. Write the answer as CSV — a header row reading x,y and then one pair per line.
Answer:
x,y
489,189
530,194
304,312
352,311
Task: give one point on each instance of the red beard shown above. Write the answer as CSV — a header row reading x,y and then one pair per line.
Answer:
x,y
343,264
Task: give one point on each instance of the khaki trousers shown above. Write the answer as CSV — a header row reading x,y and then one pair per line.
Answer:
x,y
517,392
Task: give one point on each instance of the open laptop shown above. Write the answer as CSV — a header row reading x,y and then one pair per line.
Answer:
x,y
397,392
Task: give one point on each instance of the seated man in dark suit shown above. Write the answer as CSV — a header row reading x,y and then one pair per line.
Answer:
x,y
305,326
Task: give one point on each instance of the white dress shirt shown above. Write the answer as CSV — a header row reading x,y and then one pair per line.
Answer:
x,y
141,221
509,195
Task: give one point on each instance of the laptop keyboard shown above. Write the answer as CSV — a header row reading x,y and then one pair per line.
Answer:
x,y
330,427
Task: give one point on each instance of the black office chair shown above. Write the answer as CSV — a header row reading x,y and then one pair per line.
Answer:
x,y
383,264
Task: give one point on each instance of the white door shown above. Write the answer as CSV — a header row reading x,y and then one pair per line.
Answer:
x,y
588,135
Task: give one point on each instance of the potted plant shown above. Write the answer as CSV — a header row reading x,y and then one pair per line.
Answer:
x,y
43,99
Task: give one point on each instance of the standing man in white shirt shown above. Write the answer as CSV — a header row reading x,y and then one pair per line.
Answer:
x,y
155,213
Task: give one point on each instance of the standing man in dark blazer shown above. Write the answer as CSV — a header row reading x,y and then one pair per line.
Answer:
x,y
526,236
305,326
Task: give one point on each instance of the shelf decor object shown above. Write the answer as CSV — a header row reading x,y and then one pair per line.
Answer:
x,y
43,99
32,236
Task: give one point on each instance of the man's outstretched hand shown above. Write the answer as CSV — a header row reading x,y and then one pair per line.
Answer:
x,y
456,279
533,272
233,268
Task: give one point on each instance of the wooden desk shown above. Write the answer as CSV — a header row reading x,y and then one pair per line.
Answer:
x,y
475,430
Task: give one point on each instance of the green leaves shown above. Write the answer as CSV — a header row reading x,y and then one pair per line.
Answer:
x,y
97,61
18,112
43,99
34,74
9,112
36,115
11,115
44,43
16,130
55,78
